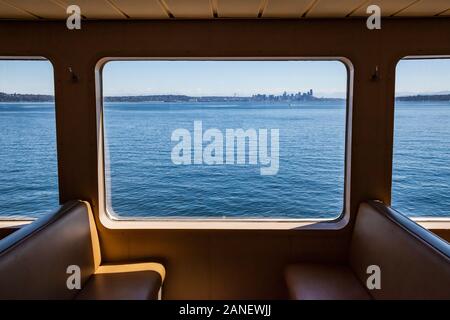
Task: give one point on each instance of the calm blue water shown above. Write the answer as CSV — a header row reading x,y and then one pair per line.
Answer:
x,y
143,181
421,168
28,167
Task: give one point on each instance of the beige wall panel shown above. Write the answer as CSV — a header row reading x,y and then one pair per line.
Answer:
x,y
238,8
141,9
95,9
388,7
443,233
286,8
190,8
333,247
10,12
185,256
333,8
425,8
236,255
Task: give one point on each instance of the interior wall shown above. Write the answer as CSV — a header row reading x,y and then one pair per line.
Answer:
x,y
6,232
236,264
443,233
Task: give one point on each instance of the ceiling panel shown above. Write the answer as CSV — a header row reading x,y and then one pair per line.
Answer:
x,y
286,8
445,14
203,9
95,9
190,8
425,7
43,8
333,8
239,8
141,9
388,7
9,12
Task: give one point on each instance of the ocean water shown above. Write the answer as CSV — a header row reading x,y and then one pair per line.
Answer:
x,y
145,182
142,180
28,165
421,164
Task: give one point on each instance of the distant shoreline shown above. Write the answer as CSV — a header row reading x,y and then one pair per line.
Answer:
x,y
5,97
35,98
14,97
425,98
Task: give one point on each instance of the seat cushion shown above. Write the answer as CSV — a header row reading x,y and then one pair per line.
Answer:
x,y
307,281
139,281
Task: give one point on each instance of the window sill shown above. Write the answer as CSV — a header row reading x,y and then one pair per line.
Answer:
x,y
224,224
6,224
433,224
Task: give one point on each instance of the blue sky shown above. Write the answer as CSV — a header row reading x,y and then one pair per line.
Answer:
x,y
423,76
242,78
326,78
32,76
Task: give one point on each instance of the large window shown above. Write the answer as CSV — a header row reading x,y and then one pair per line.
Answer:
x,y
421,167
28,170
225,139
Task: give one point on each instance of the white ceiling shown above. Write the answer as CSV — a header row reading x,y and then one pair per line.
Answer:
x,y
212,9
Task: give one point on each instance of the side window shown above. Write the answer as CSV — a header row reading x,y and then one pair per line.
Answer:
x,y
28,166
421,164
225,139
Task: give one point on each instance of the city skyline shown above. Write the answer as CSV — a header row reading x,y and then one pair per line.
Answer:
x,y
285,97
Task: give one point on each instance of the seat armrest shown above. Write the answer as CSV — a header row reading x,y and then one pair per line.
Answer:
x,y
132,267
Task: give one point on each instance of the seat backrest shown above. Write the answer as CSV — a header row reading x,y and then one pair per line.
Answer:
x,y
34,259
414,263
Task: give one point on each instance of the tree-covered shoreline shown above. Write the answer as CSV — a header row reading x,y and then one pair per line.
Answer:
x,y
429,97
17,97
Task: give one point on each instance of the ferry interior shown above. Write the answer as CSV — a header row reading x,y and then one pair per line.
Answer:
x,y
381,240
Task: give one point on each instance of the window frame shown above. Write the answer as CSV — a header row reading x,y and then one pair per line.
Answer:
x,y
426,222
112,221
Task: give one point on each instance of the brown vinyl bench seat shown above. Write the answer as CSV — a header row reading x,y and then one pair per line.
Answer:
x,y
414,263
34,262
315,281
